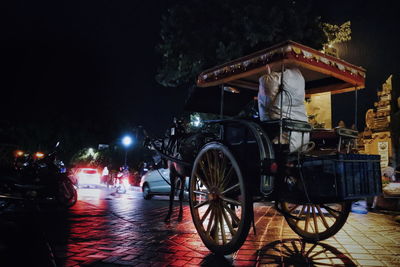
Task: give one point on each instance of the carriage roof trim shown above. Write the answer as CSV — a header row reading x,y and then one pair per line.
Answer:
x,y
323,73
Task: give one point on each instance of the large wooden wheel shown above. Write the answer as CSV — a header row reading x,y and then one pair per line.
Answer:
x,y
316,222
220,205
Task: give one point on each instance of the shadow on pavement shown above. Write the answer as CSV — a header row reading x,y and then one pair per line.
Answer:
x,y
296,252
216,260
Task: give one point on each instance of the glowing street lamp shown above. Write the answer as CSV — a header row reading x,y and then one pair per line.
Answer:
x,y
126,141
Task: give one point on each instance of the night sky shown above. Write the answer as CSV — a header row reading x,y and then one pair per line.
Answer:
x,y
374,46
94,62
84,61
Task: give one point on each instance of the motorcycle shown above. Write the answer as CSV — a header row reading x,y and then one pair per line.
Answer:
x,y
122,182
37,179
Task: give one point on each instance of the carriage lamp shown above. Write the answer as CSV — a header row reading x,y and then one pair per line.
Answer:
x,y
195,120
269,167
273,167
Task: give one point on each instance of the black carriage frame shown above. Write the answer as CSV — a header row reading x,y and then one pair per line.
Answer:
x,y
268,171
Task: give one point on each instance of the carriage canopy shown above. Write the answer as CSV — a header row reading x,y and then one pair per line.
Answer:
x,y
323,73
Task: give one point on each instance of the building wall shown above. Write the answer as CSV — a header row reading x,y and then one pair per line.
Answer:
x,y
380,144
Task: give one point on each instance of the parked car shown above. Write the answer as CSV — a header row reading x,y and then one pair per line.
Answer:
x,y
87,177
156,182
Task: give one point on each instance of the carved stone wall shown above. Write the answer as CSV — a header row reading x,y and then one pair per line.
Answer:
x,y
381,135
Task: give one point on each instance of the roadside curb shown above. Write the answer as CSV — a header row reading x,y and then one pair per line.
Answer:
x,y
136,188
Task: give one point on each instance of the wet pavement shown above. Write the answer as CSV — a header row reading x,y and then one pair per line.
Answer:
x,y
108,229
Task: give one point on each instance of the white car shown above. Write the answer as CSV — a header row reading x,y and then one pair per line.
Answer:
x,y
87,177
156,182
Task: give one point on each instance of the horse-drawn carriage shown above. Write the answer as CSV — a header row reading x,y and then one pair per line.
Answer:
x,y
248,160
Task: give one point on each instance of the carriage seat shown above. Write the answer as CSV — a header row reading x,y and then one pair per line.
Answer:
x,y
288,125
295,133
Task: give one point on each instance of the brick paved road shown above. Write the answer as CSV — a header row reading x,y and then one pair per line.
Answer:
x,y
124,230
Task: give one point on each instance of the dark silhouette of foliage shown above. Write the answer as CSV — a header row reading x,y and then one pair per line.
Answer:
x,y
198,34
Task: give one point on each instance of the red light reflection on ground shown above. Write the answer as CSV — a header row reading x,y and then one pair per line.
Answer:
x,y
117,229
107,228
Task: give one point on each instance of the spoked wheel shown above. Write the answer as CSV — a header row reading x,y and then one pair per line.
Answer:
x,y
316,222
220,205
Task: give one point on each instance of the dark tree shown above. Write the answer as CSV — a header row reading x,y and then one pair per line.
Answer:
x,y
198,34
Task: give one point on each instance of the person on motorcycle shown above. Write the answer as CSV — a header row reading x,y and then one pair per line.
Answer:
x,y
121,176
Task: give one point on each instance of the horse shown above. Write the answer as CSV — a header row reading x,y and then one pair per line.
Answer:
x,y
176,171
185,148
179,151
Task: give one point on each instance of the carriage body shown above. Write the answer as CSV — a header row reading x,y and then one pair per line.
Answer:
x,y
245,163
332,176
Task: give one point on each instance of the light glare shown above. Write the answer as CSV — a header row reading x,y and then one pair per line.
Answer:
x,y
127,141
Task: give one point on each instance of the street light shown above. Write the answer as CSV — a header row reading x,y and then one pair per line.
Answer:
x,y
126,141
